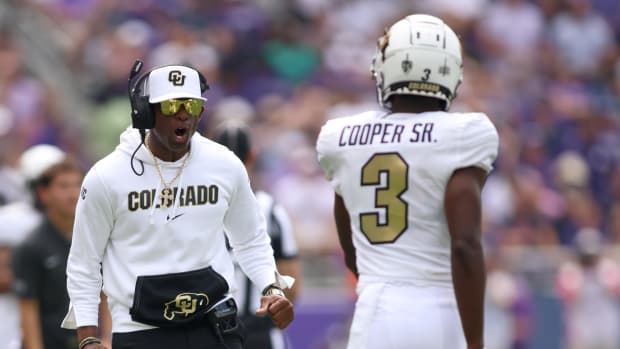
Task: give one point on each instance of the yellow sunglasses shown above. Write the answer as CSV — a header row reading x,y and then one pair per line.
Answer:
x,y
193,106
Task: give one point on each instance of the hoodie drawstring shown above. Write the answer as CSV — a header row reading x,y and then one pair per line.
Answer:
x,y
178,191
156,197
176,197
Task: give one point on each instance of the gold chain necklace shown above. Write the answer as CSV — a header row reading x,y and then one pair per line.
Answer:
x,y
166,197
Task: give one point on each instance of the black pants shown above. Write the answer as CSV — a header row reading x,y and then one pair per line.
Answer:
x,y
258,340
257,332
200,336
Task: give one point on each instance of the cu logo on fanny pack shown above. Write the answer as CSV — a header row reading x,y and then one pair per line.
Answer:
x,y
176,78
185,304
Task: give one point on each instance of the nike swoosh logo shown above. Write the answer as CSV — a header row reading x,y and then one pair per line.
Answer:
x,y
175,217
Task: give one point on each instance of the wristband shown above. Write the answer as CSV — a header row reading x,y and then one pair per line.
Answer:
x,y
89,340
273,290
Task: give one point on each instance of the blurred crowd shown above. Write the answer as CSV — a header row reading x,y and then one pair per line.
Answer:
x,y
547,72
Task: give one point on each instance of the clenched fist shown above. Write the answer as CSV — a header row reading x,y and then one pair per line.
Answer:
x,y
280,309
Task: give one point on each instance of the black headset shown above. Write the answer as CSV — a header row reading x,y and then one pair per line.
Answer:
x,y
142,115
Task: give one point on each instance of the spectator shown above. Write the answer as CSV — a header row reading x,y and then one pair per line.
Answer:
x,y
39,262
9,329
582,38
589,288
498,36
18,219
509,317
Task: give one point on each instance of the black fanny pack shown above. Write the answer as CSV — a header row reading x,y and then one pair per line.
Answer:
x,y
171,300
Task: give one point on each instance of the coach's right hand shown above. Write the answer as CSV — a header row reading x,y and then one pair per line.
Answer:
x,y
278,306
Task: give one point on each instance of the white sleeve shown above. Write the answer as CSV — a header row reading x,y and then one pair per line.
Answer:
x,y
91,231
326,156
245,226
479,143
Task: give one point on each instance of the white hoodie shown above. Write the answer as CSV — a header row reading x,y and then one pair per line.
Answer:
x,y
117,227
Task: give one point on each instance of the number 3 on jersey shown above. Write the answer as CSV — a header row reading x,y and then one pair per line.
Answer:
x,y
387,197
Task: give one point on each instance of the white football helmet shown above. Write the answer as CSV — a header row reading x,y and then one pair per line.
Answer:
x,y
418,55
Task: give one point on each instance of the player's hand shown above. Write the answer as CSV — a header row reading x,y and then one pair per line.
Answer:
x,y
280,309
96,346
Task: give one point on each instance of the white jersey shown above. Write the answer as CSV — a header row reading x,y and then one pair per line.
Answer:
x,y
391,171
121,224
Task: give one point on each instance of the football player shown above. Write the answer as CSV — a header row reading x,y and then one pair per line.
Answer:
x,y
407,184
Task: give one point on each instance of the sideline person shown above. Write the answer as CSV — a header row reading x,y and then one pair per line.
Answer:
x,y
149,225
407,205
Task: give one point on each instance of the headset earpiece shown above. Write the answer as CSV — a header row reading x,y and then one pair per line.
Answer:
x,y
142,115
204,86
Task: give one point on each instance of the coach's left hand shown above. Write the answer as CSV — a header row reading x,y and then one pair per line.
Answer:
x,y
280,309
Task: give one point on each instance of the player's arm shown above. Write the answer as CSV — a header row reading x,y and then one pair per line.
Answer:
x,y
30,323
463,211
345,235
330,161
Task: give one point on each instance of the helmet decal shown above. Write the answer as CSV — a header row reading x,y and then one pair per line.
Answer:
x,y
444,69
407,64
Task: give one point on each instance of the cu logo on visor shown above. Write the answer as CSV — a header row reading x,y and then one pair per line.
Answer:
x,y
176,78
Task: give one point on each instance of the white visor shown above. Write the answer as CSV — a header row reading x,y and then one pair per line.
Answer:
x,y
173,81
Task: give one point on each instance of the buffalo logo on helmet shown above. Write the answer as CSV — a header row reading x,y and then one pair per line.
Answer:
x,y
383,42
176,78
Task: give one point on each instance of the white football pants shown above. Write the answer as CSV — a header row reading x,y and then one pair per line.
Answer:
x,y
403,316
